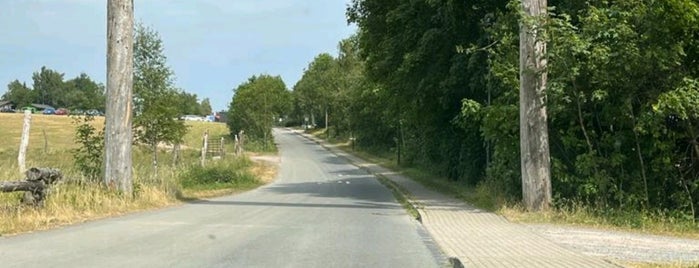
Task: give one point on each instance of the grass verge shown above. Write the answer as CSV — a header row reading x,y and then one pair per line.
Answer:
x,y
218,178
77,199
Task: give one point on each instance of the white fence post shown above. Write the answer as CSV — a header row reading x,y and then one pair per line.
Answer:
x,y
24,142
205,148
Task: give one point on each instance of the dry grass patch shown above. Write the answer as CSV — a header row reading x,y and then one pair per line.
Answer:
x,y
72,203
265,168
76,200
53,132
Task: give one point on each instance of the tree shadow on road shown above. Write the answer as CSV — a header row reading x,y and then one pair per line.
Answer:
x,y
359,205
357,190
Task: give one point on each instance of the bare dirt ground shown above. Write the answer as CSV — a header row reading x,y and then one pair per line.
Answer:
x,y
267,168
624,247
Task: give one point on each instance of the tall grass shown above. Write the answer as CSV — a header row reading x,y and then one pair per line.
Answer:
x,y
76,199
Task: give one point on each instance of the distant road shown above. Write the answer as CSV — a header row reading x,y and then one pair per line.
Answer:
x,y
321,212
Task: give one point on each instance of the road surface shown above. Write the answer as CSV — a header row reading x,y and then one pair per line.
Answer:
x,y
321,212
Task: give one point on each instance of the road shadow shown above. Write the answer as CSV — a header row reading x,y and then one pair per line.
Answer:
x,y
335,160
350,189
353,192
359,205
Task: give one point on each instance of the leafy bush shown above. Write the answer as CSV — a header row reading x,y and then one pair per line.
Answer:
x,y
89,155
217,175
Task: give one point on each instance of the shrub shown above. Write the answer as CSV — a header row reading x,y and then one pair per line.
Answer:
x,y
90,152
216,175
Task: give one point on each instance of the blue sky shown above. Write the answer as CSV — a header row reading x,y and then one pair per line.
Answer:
x,y
211,45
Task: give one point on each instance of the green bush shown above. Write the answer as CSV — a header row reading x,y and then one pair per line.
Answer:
x,y
218,175
89,155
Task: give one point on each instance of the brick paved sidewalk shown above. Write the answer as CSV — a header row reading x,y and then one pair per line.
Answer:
x,y
477,238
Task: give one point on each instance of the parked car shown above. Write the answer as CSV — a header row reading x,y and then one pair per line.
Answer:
x,y
191,117
49,111
94,112
7,110
61,111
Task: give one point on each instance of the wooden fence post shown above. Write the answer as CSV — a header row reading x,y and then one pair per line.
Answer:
x,y
204,148
240,142
175,153
236,144
24,142
223,148
46,141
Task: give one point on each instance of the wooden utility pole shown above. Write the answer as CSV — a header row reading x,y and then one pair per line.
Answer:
x,y
118,137
534,139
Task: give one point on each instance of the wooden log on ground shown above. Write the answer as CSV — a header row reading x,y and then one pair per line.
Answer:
x,y
36,184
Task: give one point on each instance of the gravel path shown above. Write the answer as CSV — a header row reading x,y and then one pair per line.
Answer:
x,y
622,246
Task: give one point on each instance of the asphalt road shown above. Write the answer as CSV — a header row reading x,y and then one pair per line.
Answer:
x,y
321,212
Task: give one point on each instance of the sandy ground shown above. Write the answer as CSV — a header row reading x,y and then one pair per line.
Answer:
x,y
268,169
622,246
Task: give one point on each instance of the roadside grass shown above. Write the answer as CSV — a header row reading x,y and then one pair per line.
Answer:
x,y
216,178
77,200
487,197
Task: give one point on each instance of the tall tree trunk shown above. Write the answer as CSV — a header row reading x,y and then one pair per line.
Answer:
x,y
534,140
118,137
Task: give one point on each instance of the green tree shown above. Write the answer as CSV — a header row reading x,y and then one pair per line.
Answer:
x,y
205,107
256,105
83,93
315,91
49,87
411,53
188,104
155,99
443,78
19,94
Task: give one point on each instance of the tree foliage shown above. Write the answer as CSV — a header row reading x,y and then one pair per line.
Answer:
x,y
50,88
156,100
256,105
205,107
84,94
19,94
328,86
188,103
439,83
89,155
